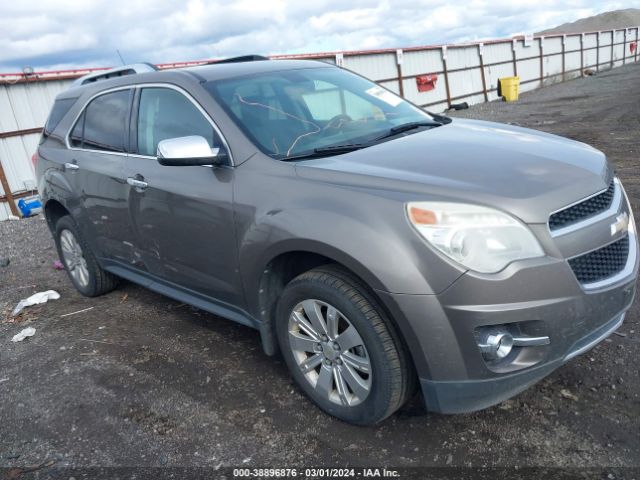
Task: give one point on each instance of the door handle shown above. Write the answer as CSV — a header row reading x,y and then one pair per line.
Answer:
x,y
71,166
137,183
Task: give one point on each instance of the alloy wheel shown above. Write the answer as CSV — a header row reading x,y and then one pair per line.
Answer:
x,y
74,258
330,352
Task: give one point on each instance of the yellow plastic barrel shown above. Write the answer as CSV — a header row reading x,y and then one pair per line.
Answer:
x,y
510,88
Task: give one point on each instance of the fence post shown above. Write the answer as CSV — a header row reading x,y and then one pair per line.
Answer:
x,y
399,60
564,69
8,195
624,47
484,80
635,53
446,74
613,37
541,41
582,54
598,52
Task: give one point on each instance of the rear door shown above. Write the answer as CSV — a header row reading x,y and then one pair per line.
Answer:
x,y
183,216
95,167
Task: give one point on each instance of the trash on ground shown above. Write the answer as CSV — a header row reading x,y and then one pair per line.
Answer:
x,y
74,313
460,106
27,332
567,394
4,261
30,206
57,264
97,341
35,299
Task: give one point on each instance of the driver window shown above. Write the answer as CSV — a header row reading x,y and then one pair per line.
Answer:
x,y
166,113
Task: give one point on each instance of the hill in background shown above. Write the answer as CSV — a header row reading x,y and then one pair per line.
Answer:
x,y
629,17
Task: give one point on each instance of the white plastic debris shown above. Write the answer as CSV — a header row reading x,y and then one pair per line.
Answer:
x,y
27,332
36,298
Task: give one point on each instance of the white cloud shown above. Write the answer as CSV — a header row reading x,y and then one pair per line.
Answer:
x,y
70,33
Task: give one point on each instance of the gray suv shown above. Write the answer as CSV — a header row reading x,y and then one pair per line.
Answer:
x,y
379,248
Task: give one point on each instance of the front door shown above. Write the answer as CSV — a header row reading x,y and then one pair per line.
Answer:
x,y
183,216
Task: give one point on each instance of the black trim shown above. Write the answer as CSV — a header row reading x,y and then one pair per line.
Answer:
x,y
240,59
181,294
133,122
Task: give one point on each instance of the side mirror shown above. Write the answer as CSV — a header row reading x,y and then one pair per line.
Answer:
x,y
189,151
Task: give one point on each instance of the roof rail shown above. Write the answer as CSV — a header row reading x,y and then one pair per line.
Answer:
x,y
114,72
243,58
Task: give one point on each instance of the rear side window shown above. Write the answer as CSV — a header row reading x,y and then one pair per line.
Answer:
x,y
58,111
103,124
165,113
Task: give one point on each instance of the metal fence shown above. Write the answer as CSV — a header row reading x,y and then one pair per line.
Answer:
x,y
434,77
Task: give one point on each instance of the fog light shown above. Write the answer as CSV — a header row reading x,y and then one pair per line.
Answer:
x,y
496,345
497,342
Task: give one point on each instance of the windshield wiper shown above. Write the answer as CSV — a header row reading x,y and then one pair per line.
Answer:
x,y
327,151
405,127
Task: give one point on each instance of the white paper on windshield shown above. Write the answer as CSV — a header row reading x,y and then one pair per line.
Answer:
x,y
384,95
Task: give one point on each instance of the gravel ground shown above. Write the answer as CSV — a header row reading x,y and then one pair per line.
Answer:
x,y
143,381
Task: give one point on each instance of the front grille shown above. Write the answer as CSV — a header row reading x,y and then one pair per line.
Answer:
x,y
602,263
581,211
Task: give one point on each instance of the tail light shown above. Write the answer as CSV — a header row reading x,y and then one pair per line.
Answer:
x,y
34,160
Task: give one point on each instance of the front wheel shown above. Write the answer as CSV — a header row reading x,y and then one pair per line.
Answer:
x,y
340,348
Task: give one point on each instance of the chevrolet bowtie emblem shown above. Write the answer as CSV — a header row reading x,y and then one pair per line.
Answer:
x,y
621,224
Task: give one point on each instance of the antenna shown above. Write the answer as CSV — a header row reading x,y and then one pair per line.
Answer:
x,y
121,59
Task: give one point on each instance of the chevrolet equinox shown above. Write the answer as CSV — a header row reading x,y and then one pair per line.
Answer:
x,y
378,247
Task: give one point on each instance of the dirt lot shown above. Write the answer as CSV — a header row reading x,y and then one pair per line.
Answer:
x,y
140,380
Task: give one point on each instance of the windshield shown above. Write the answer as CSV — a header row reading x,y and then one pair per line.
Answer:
x,y
293,112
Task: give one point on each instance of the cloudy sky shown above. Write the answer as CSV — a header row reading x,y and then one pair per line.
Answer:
x,y
75,33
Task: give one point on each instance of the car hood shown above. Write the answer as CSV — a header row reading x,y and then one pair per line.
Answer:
x,y
526,172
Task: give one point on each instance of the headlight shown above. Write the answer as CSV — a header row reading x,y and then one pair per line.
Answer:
x,y
479,238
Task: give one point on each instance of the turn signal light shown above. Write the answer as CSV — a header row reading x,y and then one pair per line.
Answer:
x,y
420,216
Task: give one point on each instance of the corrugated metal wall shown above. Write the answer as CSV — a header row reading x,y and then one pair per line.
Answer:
x,y
23,108
465,73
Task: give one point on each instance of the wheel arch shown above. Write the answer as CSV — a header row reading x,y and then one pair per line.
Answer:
x,y
283,267
54,210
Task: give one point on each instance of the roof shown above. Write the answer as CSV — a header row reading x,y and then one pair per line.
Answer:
x,y
203,73
230,70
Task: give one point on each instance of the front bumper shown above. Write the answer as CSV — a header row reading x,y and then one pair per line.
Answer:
x,y
471,395
439,329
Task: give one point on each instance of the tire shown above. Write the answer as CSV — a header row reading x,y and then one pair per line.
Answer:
x,y
92,280
372,392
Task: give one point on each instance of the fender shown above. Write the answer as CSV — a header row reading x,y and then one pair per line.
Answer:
x,y
254,264
54,186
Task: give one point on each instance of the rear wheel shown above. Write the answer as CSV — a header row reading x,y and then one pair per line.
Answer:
x,y
81,264
340,348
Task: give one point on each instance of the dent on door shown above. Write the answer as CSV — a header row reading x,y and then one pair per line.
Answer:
x,y
183,221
